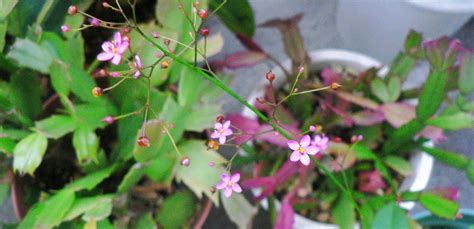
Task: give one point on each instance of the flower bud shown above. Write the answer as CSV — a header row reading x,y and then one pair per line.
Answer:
x,y
115,74
96,91
211,144
106,4
143,141
159,55
185,161
72,10
94,22
211,164
65,28
312,128
102,72
164,64
335,85
171,125
204,32
270,76
155,34
300,69
109,120
213,190
202,13
261,100
220,118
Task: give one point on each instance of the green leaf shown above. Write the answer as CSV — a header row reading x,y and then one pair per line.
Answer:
x,y
60,77
367,215
86,144
190,86
30,219
379,89
236,15
91,180
198,176
432,94
5,7
201,117
82,84
466,76
26,94
238,209
56,126
343,212
146,222
30,55
29,152
3,32
133,176
154,132
391,217
413,43
398,164
439,206
363,152
99,211
449,158
7,145
88,205
169,217
393,88
161,169
55,208
470,171
457,121
401,66
213,43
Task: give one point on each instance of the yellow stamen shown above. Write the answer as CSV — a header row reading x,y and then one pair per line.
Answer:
x,y
302,150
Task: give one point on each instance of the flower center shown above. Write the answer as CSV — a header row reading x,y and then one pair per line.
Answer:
x,y
302,150
114,49
230,184
221,131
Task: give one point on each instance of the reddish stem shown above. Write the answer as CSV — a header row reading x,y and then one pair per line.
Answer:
x,y
204,214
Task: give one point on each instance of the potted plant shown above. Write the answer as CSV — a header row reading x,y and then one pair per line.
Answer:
x,y
359,141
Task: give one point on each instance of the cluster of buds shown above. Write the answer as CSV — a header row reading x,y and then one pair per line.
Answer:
x,y
143,141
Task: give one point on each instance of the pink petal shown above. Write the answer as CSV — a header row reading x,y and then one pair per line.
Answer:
x,y
104,56
295,156
217,125
215,134
221,185
236,187
116,59
222,139
107,46
138,62
304,159
317,138
228,192
123,47
227,132
136,75
294,145
225,177
226,124
235,178
312,150
305,141
117,38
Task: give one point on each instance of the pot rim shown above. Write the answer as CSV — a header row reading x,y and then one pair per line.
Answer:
x,y
420,162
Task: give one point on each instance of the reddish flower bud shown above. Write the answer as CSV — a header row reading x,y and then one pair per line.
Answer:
x,y
94,22
300,69
205,32
164,64
65,28
109,120
211,164
102,72
261,100
115,74
96,91
143,141
185,161
106,4
270,76
72,10
155,34
312,128
171,125
213,189
202,13
220,119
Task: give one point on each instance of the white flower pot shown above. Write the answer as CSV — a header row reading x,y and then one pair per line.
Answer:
x,y
378,27
421,163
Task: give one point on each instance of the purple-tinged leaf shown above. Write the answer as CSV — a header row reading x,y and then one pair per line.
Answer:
x,y
442,52
329,76
274,137
368,117
286,216
371,181
240,60
247,125
398,114
249,43
363,102
292,39
450,193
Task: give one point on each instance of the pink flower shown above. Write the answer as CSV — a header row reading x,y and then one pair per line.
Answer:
x,y
94,22
222,131
113,51
302,149
321,142
229,184
65,28
138,67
